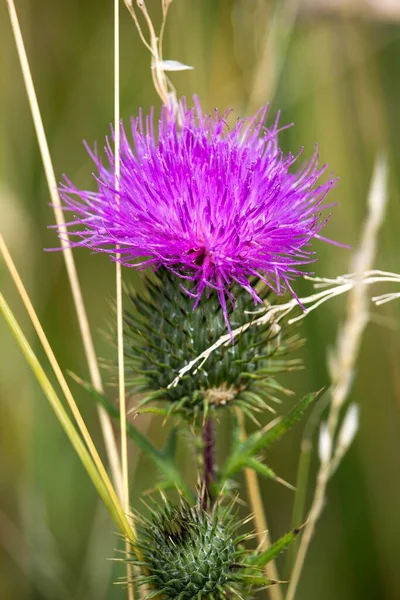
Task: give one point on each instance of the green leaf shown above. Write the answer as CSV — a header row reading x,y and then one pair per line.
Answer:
x,y
261,440
244,452
261,559
261,469
260,581
153,410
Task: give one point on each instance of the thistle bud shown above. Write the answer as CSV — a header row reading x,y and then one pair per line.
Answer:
x,y
188,553
163,333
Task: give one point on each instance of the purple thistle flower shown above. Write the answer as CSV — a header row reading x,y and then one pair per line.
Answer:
x,y
214,205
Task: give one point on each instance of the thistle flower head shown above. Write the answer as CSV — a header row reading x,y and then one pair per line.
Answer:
x,y
214,205
188,553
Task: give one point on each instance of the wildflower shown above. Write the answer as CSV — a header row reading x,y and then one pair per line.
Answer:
x,y
189,553
214,205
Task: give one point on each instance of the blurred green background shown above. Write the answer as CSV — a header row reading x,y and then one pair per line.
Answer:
x,y
333,68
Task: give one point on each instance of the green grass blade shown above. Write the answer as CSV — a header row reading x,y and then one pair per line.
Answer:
x,y
263,558
63,417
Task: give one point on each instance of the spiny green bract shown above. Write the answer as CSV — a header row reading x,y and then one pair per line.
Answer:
x,y
186,552
163,333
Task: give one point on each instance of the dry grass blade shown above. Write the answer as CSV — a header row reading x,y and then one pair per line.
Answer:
x,y
90,459
260,519
120,329
105,421
161,82
58,373
343,361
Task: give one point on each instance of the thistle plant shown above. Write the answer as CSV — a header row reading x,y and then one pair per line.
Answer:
x,y
227,223
221,223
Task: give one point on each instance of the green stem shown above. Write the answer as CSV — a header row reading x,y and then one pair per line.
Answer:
x,y
303,472
300,498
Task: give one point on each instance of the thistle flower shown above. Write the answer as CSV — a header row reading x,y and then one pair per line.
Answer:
x,y
188,553
214,205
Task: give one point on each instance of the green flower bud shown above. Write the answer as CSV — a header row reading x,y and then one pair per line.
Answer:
x,y
163,333
188,553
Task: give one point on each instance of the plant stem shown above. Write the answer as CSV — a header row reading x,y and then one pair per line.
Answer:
x,y
303,472
85,449
105,422
254,495
208,438
343,361
300,497
120,331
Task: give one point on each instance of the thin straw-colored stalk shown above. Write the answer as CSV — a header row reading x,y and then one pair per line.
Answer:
x,y
58,372
129,6
257,507
101,482
343,361
264,86
158,76
120,329
162,84
105,422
